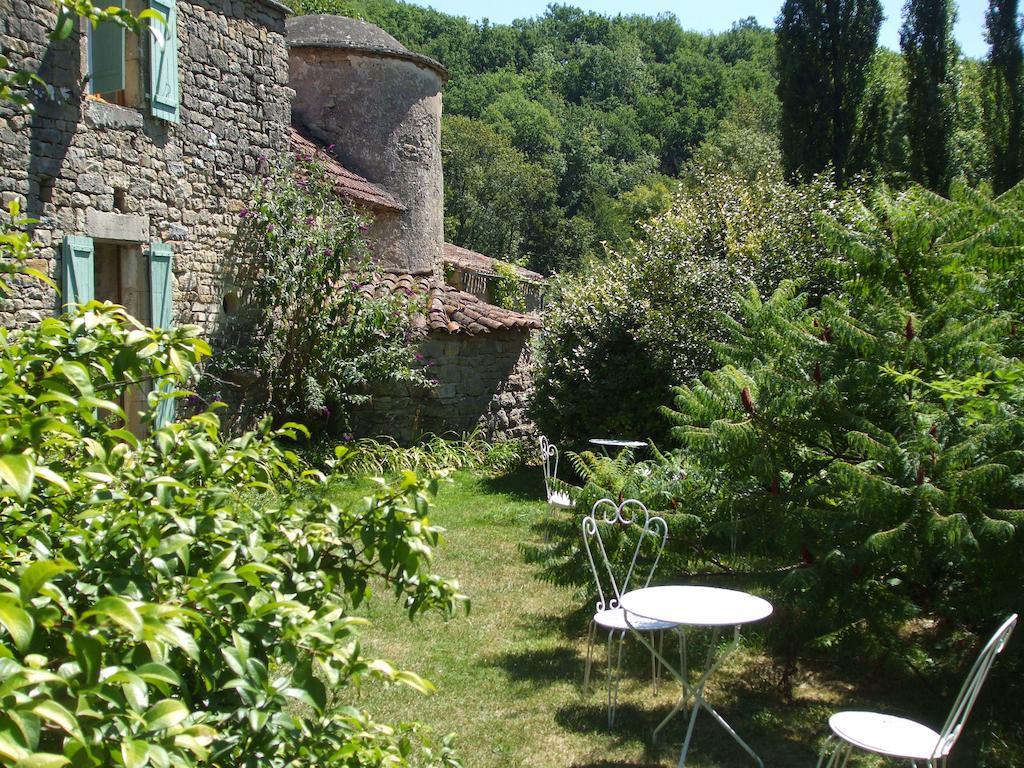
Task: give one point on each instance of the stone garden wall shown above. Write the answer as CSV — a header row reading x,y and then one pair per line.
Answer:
x,y
115,173
481,380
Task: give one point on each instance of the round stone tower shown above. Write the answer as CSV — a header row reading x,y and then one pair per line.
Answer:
x,y
380,104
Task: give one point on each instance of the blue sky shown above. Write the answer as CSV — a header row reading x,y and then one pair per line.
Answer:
x,y
716,15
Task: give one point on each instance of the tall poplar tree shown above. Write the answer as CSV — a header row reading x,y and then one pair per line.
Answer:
x,y
926,38
824,49
1004,110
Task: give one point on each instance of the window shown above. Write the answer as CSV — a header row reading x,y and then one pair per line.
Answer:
x,y
126,274
117,61
120,276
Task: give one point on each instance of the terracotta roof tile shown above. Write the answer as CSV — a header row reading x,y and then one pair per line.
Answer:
x,y
478,262
450,310
347,183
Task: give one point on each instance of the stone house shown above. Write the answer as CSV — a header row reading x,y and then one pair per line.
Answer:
x,y
138,162
378,105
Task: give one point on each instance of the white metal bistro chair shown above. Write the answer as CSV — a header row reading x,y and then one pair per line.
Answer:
x,y
652,534
558,497
906,739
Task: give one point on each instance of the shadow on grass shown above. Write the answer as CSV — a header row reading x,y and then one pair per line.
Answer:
x,y
754,715
548,666
521,484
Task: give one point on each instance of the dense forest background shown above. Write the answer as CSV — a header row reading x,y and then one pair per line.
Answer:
x,y
562,132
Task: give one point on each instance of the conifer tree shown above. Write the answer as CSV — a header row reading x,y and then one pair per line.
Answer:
x,y
926,38
874,441
824,50
1004,110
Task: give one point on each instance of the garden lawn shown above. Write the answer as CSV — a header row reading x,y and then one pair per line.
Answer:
x,y
509,674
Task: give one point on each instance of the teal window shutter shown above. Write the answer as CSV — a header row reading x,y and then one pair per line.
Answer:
x,y
161,296
106,56
165,101
78,273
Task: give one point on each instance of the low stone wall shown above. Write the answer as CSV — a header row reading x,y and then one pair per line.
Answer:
x,y
481,380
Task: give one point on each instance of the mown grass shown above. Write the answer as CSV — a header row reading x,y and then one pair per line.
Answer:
x,y
509,674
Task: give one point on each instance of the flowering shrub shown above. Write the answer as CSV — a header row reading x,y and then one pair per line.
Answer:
x,y
621,333
309,332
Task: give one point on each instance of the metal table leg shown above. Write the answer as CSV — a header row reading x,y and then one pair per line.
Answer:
x,y
697,691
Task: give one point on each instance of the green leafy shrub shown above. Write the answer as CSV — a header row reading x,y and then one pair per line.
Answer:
x,y
872,445
382,455
507,288
621,333
183,598
309,338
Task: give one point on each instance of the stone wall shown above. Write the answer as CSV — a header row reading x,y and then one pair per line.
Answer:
x,y
382,111
481,380
86,167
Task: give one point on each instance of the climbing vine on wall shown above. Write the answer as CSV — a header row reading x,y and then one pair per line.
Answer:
x,y
311,336
507,287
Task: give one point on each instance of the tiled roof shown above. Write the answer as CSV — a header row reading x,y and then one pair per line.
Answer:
x,y
349,184
449,310
478,262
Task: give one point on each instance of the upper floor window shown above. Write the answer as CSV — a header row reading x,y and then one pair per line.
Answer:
x,y
133,70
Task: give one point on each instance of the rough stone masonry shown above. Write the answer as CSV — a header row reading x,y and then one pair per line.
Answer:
x,y
115,173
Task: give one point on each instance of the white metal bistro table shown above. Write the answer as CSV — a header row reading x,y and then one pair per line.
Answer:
x,y
692,606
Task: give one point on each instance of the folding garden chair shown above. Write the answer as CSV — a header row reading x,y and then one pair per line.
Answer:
x,y
558,498
608,520
906,739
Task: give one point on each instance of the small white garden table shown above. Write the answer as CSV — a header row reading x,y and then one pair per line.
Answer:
x,y
689,606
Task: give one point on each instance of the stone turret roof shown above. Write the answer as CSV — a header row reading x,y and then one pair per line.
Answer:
x,y
347,183
463,258
323,30
449,310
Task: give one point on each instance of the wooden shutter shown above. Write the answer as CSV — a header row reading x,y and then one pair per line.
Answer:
x,y
106,55
163,62
161,296
78,270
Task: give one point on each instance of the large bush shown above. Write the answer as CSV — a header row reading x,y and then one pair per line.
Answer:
x,y
619,334
871,447
309,339
182,598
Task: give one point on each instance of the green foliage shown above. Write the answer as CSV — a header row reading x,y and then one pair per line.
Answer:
x,y
618,335
433,454
824,47
872,443
550,122
310,332
506,290
171,600
492,192
926,38
1004,107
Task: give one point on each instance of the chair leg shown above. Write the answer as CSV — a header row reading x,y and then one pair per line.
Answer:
x,y
654,665
613,684
837,751
591,634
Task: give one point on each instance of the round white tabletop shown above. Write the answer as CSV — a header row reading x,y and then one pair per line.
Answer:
x,y
608,442
698,606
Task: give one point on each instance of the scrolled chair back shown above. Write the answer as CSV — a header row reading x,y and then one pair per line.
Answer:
x,y
606,516
972,687
549,460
